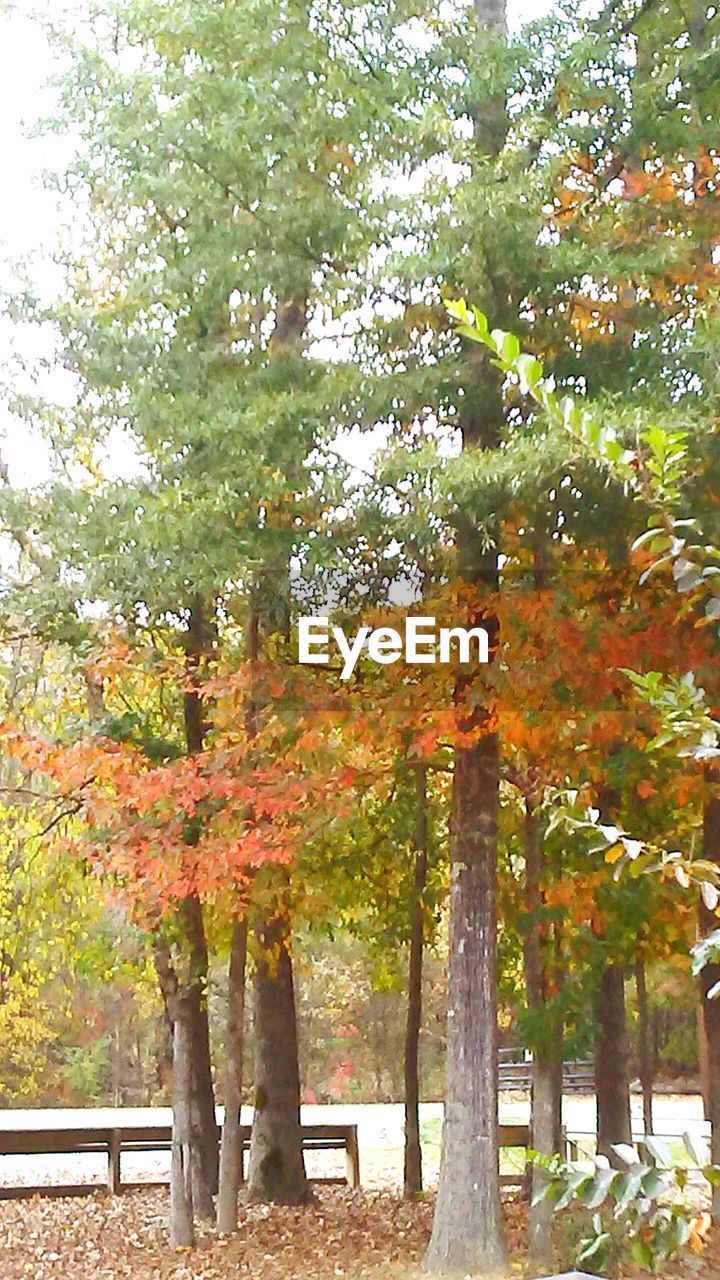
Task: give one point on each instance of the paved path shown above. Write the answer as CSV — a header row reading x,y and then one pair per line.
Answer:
x,y
380,1133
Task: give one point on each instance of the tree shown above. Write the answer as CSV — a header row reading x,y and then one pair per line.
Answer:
x,y
189,328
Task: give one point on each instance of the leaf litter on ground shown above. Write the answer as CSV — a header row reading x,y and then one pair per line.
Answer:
x,y
344,1235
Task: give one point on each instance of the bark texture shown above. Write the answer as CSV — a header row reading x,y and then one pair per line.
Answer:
x,y
231,1153
182,1234
545,1123
612,1044
194,1003
467,1234
546,1112
199,640
204,1116
612,1080
467,1231
412,1171
182,974
277,1168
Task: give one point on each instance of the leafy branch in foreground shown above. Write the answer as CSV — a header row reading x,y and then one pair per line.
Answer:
x,y
639,1208
685,722
627,853
655,469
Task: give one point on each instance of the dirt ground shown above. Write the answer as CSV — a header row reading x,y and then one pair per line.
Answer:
x,y
345,1235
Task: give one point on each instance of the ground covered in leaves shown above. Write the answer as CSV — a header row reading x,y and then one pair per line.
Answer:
x,y
345,1235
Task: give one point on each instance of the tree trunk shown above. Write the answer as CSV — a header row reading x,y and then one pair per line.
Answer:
x,y
559,968
612,1046
204,1120
200,1141
612,1084
231,1153
412,1173
203,1098
711,1007
181,1197
703,1058
199,640
546,1113
164,1053
277,1169
467,1231
644,1047
544,1138
183,983
556,1095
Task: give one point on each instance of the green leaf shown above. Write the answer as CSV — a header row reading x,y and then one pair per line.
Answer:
x,y
697,1148
648,536
529,371
592,1247
659,1151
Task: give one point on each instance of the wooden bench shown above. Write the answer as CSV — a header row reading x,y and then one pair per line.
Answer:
x,y
115,1142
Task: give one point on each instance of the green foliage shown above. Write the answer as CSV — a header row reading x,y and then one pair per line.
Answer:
x,y
656,468
665,452
637,1211
707,950
352,1029
83,1070
625,851
681,704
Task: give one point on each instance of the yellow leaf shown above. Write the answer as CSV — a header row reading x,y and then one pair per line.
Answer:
x,y
615,853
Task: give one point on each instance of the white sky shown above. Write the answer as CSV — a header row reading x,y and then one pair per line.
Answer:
x,y
30,216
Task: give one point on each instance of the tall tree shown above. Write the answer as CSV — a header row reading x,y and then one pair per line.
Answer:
x,y
467,1227
223,168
